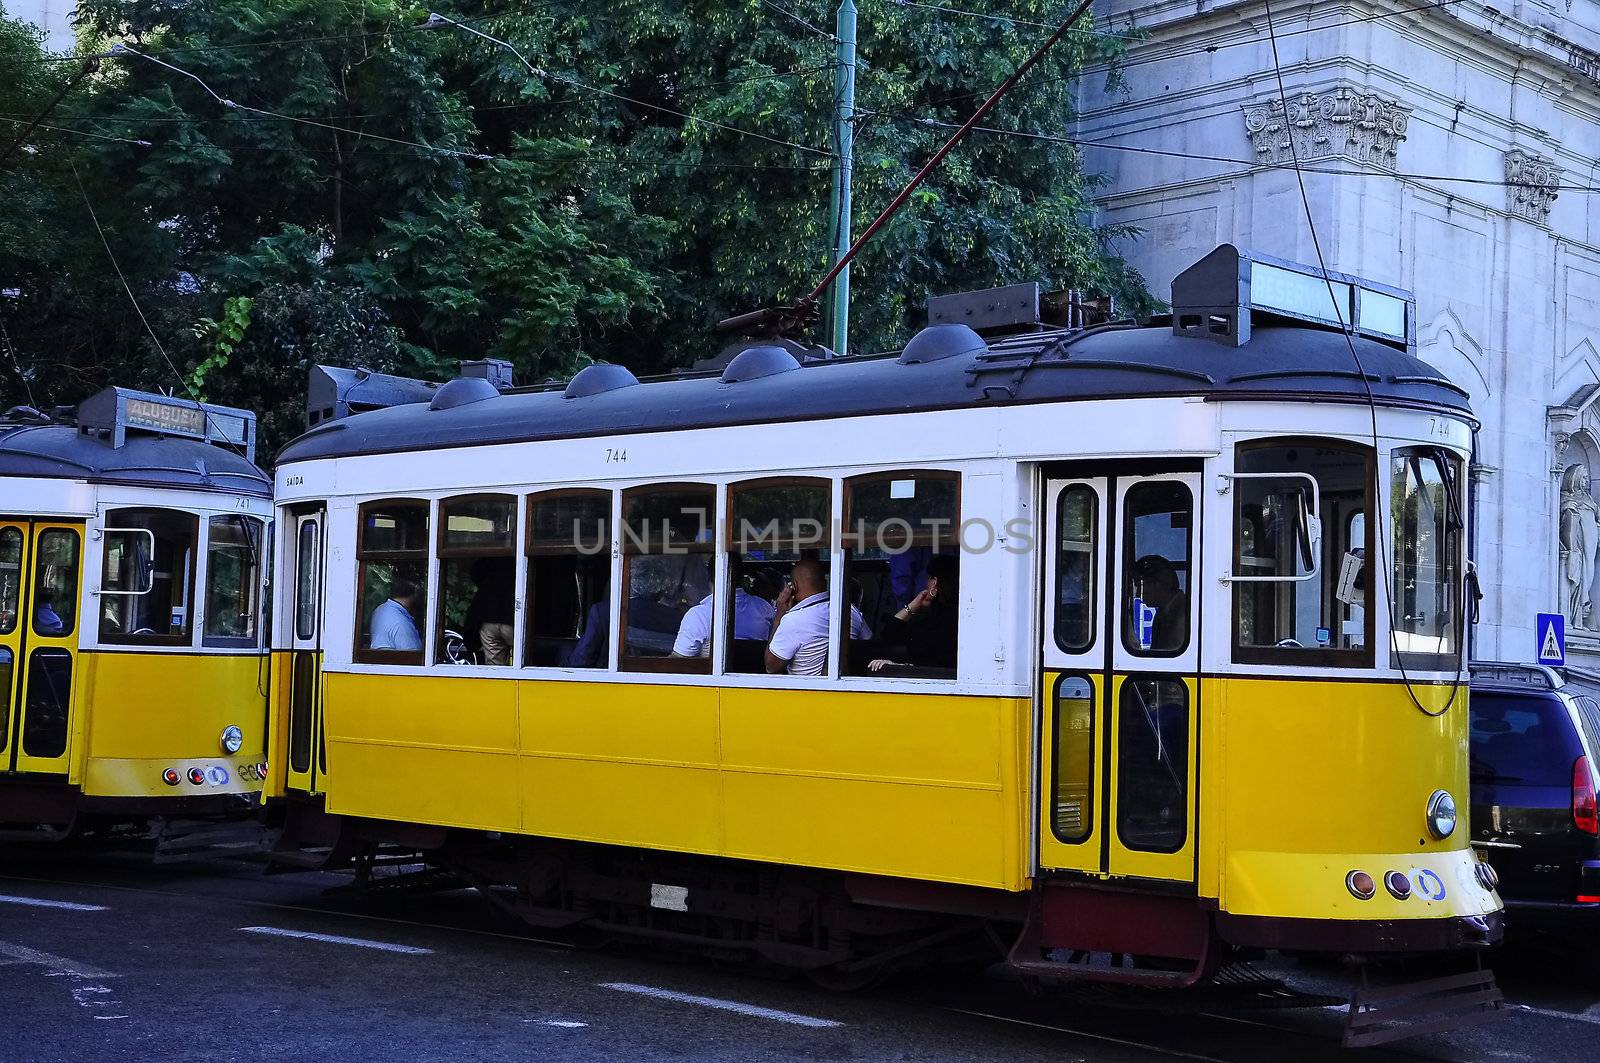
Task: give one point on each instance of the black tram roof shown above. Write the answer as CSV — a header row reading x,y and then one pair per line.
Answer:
x,y
64,451
945,367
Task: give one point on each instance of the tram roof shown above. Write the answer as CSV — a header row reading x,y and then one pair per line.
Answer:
x,y
64,452
1280,361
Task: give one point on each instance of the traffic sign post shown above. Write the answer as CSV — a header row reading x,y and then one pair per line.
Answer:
x,y
1552,635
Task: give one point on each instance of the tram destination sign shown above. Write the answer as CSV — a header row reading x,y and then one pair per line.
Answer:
x,y
118,411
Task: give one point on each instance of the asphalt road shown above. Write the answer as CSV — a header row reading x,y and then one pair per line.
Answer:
x,y
104,956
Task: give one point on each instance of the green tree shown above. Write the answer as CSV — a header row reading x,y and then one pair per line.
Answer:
x,y
605,224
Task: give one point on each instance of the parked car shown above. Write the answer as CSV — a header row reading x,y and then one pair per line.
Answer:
x,y
1535,740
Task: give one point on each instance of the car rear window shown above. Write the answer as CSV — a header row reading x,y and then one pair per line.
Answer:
x,y
1522,740
1589,716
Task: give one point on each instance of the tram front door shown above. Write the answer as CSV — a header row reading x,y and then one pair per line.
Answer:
x,y
39,568
307,748
1120,682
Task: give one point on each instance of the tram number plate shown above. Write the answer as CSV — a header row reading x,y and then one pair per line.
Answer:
x,y
672,898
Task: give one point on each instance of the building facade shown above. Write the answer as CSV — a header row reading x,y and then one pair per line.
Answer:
x,y
1447,147
52,16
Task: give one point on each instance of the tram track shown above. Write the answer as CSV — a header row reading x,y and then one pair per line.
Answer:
x,y
1201,1031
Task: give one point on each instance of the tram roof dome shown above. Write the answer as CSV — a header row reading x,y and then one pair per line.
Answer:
x,y
63,451
1279,360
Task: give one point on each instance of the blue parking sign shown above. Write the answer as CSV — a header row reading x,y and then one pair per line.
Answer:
x,y
1552,633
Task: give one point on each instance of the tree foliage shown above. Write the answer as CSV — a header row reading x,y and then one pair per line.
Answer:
x,y
373,231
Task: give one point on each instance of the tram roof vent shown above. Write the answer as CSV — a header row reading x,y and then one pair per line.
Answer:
x,y
115,412
938,342
753,363
598,379
496,371
463,391
335,392
1222,295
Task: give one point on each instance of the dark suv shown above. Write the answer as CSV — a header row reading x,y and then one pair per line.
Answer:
x,y
1535,737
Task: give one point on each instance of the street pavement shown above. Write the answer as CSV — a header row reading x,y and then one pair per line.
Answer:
x,y
105,956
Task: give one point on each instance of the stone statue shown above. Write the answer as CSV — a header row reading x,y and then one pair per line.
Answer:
x,y
1580,536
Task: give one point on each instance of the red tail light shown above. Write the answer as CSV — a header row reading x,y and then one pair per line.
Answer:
x,y
1585,814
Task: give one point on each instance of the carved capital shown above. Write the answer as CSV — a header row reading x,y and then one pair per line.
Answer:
x,y
1344,123
1532,185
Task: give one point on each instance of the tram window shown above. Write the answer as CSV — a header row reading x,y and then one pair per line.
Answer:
x,y
569,580
1158,531
903,563
477,579
49,702
1428,521
1072,813
392,552
55,584
1077,550
1153,764
667,549
10,583
308,556
1298,593
779,556
7,665
233,581
147,577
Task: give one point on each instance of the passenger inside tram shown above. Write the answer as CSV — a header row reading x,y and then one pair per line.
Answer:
x,y
1155,582
800,629
488,619
46,621
394,623
923,633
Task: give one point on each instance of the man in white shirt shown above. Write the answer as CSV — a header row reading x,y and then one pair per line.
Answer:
x,y
394,624
799,643
752,619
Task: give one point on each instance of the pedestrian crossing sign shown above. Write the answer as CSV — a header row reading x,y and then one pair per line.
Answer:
x,y
1552,632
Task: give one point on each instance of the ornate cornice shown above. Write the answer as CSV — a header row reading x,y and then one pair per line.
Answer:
x,y
1345,122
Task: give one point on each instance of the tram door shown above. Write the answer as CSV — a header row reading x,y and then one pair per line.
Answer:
x,y
307,749
1120,675
39,568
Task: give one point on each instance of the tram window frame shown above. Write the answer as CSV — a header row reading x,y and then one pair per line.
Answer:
x,y
117,520
791,549
1453,511
1328,569
1058,623
853,540
445,553
251,591
556,550
11,607
366,557
1086,829
1128,535
307,563
633,549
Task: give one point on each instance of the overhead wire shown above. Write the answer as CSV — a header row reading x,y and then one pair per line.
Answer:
x,y
1382,572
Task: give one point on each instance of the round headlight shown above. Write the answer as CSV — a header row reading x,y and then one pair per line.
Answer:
x,y
1360,885
1441,814
233,740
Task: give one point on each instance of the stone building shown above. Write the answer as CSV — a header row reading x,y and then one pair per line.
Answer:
x,y
52,16
1448,144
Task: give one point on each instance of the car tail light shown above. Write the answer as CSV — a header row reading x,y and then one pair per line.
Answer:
x,y
1584,813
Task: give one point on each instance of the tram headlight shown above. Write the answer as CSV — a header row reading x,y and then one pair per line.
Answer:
x,y
232,739
1441,814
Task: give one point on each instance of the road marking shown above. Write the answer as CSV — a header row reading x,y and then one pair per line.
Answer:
x,y
1091,1036
35,902
59,966
335,939
1589,1015
565,1024
793,1018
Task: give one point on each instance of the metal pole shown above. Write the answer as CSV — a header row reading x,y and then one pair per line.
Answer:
x,y
844,136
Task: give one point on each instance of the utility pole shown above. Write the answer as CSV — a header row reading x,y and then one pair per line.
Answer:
x,y
844,137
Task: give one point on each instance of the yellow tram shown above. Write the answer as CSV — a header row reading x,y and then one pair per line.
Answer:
x,y
1142,643
132,668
